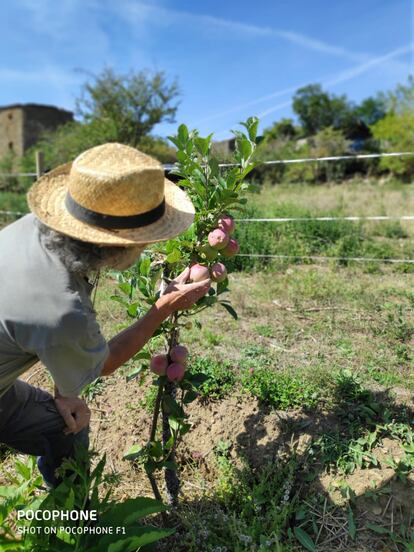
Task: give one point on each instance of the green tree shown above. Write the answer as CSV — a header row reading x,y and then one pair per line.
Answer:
x,y
284,129
113,108
317,109
371,110
395,132
133,103
329,143
401,100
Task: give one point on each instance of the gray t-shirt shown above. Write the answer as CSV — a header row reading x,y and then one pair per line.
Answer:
x,y
45,314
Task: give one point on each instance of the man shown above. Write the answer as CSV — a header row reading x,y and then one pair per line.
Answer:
x,y
100,211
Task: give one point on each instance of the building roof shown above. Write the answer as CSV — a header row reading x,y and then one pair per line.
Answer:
x,y
37,106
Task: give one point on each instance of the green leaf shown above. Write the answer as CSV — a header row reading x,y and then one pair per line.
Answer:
x,y
203,144
189,397
214,167
199,188
125,288
174,256
172,407
119,299
222,287
144,266
134,373
155,449
130,511
132,309
251,125
181,156
174,424
22,469
351,524
134,452
377,528
244,147
174,140
142,355
198,379
183,134
229,309
185,428
305,539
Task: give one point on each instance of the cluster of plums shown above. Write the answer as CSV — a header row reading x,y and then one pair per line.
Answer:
x,y
175,369
220,243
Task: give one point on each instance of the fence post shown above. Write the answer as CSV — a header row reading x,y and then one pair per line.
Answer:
x,y
40,159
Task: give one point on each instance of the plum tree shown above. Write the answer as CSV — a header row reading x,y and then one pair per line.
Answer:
x,y
215,193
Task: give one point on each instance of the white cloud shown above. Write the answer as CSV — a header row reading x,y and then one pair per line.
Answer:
x,y
339,78
349,74
164,16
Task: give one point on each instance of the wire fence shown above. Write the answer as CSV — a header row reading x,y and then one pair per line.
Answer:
x,y
330,258
169,167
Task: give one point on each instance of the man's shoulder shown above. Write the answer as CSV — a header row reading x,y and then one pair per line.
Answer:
x,y
35,286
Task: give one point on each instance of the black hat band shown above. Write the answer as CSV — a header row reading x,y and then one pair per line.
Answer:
x,y
111,221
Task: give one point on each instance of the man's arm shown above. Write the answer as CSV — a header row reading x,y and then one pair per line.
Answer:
x,y
177,296
127,343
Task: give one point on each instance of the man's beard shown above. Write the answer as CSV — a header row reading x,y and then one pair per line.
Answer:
x,y
125,258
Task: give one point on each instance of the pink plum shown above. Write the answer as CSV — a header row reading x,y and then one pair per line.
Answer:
x,y
198,273
218,272
159,364
218,239
231,248
226,223
179,354
175,371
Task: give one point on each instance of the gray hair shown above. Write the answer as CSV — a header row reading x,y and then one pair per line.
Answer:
x,y
84,257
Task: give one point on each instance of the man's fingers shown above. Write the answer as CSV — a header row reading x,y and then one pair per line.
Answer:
x,y
82,420
199,286
183,277
70,421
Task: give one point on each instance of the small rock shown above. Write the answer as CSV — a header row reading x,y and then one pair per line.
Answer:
x,y
377,510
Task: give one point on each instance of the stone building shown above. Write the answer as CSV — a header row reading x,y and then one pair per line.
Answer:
x,y
22,124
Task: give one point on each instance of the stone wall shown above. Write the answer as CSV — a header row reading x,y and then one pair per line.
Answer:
x,y
11,131
22,124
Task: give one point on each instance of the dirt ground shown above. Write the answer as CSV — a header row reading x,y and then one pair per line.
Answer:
x,y
256,433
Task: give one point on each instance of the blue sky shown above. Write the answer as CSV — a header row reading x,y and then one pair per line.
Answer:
x,y
232,58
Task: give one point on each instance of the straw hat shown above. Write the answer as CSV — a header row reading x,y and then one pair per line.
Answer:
x,y
111,195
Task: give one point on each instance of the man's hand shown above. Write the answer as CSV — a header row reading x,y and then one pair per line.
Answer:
x,y
180,296
74,411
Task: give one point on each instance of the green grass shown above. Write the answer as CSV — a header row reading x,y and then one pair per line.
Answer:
x,y
329,346
326,238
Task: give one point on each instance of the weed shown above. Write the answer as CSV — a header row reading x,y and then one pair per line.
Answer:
x,y
93,389
212,338
249,511
220,377
265,330
148,400
279,390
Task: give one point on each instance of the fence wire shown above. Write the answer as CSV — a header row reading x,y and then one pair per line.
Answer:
x,y
169,167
